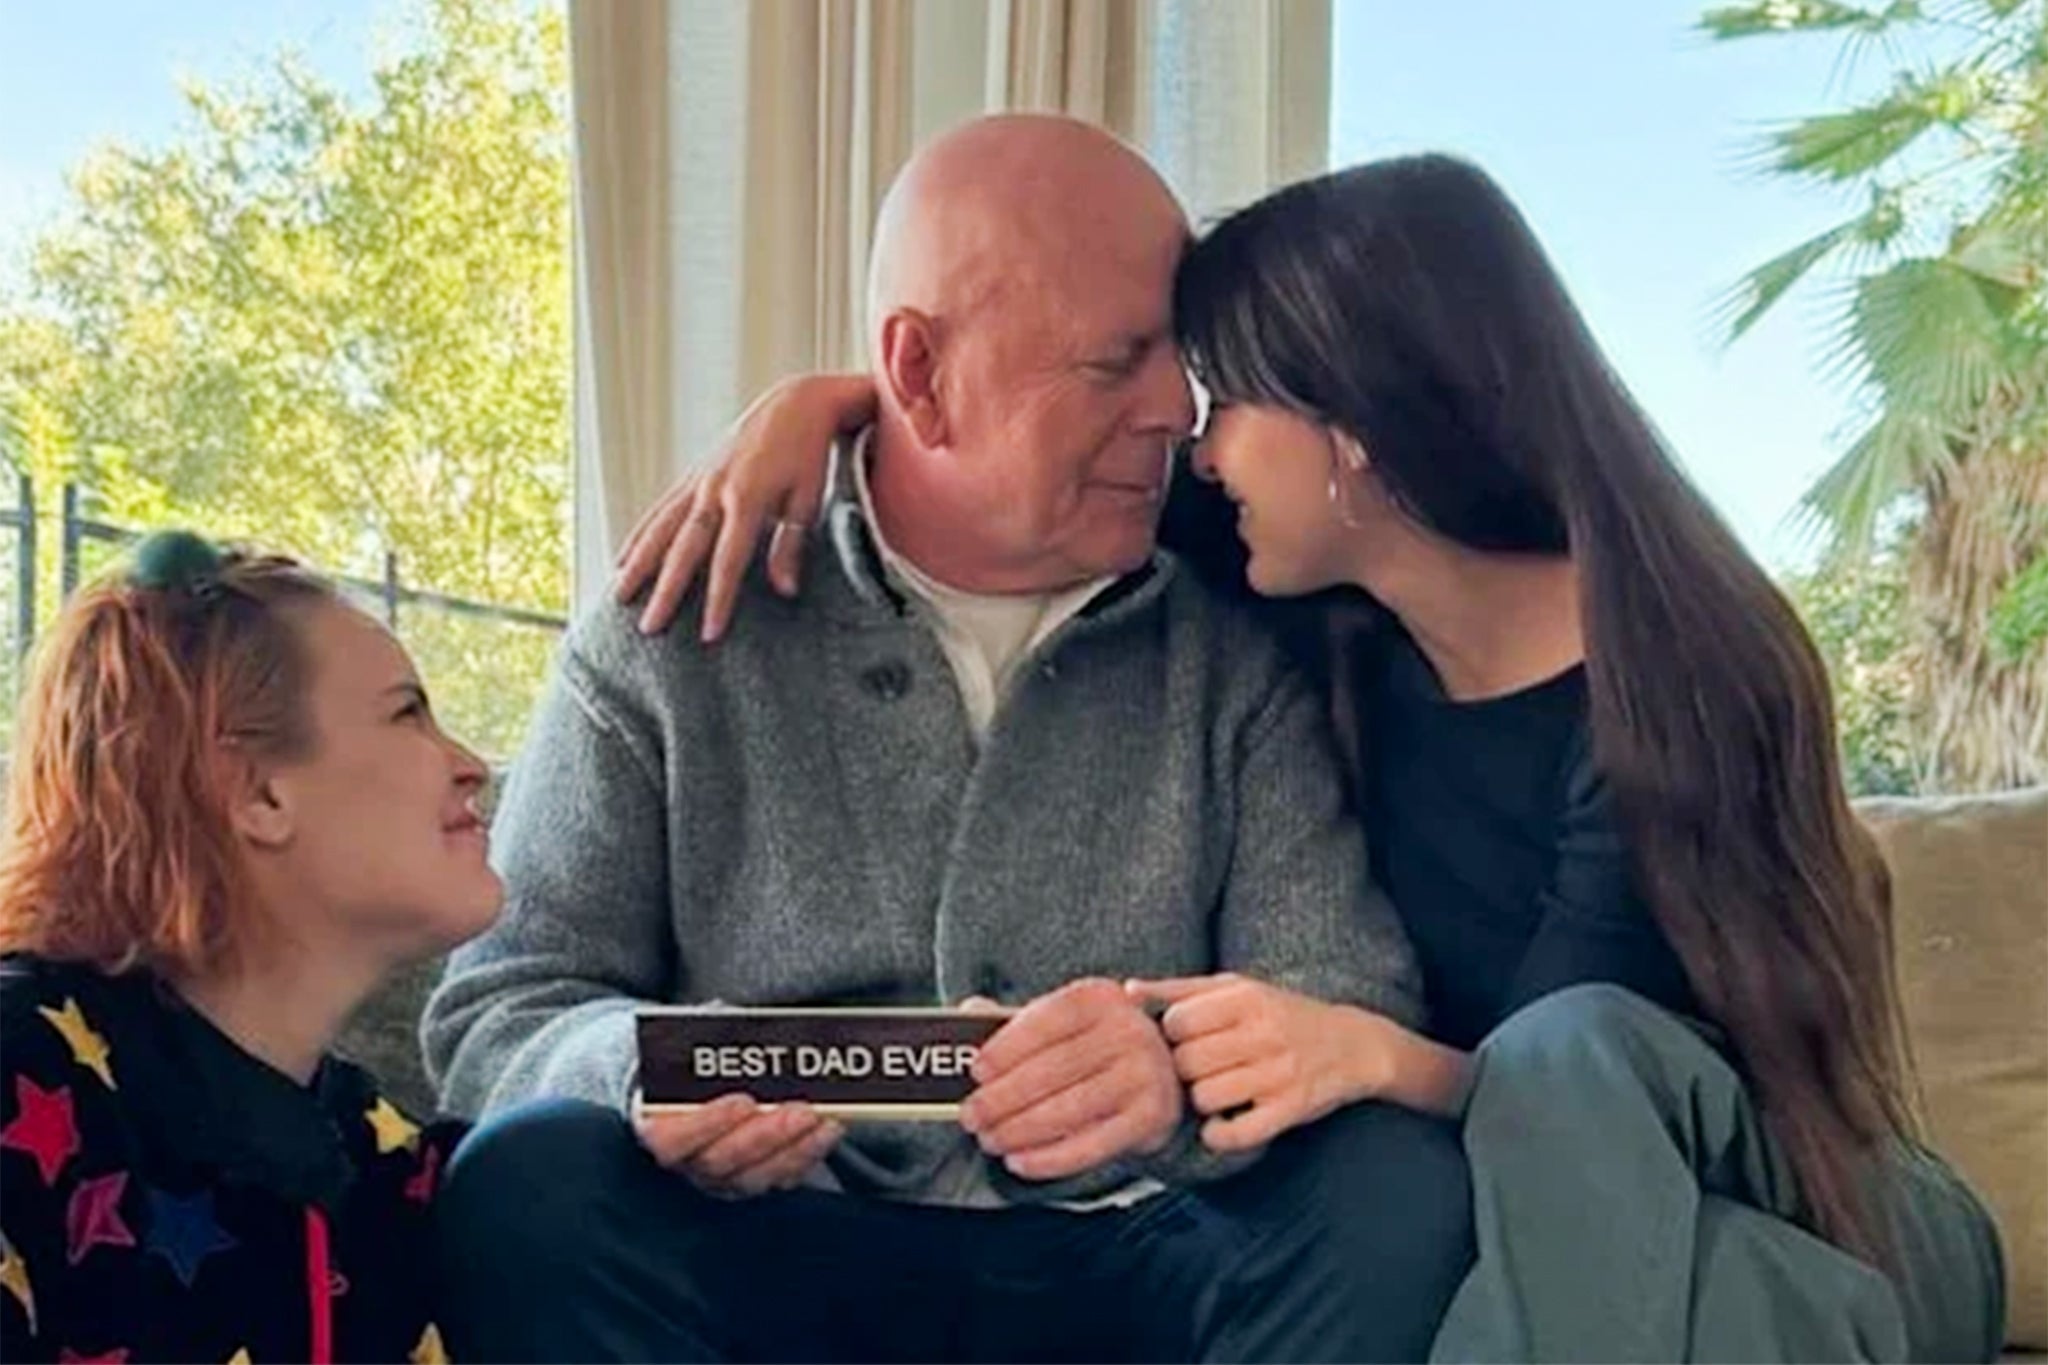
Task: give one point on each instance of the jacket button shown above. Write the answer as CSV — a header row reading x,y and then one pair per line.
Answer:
x,y
889,680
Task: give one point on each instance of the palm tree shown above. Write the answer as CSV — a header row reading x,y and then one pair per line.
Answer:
x,y
1941,325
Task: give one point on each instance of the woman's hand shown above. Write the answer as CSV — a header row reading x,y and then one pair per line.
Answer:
x,y
772,471
1257,1059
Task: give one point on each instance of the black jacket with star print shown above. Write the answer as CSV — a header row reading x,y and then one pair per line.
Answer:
x,y
164,1195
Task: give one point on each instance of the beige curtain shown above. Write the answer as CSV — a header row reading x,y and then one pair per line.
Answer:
x,y
1087,58
619,97
731,154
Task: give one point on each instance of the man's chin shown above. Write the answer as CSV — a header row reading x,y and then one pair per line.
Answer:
x,y
1126,555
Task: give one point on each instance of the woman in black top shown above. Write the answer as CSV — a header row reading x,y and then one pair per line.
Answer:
x,y
1596,754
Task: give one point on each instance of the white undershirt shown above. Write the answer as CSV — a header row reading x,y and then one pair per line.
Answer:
x,y
986,637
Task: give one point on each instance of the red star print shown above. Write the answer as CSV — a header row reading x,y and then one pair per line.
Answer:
x,y
44,1128
421,1186
93,1217
115,1357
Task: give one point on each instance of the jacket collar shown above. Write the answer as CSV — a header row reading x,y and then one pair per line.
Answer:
x,y
867,596
195,1101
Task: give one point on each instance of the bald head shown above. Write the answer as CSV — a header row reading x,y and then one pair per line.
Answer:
x,y
1028,390
1002,202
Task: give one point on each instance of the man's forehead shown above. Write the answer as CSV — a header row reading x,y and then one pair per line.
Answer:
x,y
1130,292
1128,312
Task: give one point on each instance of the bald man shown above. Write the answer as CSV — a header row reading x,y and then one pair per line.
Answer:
x,y
1001,749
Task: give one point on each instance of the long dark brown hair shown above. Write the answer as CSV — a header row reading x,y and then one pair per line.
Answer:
x,y
1407,303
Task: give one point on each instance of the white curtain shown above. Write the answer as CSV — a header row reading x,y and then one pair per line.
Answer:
x,y
730,155
1240,98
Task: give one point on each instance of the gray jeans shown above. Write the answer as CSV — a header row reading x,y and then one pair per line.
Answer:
x,y
1629,1206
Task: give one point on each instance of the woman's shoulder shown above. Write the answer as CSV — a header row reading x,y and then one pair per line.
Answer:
x,y
61,1109
50,1010
74,1011
28,980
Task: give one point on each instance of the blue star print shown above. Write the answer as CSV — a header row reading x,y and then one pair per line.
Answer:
x,y
183,1232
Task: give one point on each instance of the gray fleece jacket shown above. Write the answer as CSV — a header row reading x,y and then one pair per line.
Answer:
x,y
799,815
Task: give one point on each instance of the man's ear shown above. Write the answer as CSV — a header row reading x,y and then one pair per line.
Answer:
x,y
260,805
910,370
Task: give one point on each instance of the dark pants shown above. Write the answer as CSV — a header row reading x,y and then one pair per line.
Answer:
x,y
562,1241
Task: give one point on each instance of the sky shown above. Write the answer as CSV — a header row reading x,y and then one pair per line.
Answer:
x,y
76,73
1619,131
1624,137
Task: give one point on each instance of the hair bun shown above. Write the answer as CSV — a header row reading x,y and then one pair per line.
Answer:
x,y
167,560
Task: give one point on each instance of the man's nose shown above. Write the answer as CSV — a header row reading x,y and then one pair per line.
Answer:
x,y
1169,403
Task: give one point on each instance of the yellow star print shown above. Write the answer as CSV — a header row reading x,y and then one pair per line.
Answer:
x,y
240,1357
394,1130
87,1048
14,1278
430,1350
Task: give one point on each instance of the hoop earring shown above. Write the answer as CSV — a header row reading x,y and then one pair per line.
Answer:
x,y
1343,453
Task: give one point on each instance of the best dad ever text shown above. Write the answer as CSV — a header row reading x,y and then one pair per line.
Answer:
x,y
753,1061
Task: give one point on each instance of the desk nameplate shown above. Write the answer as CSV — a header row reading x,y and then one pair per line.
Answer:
x,y
851,1063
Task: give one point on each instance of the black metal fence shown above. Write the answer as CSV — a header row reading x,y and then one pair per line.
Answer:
x,y
21,519
487,661
78,530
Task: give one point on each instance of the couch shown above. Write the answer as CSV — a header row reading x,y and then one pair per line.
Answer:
x,y
1970,898
1970,881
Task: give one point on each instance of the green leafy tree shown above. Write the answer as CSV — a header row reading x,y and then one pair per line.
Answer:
x,y
335,326
1941,326
2020,624
1856,613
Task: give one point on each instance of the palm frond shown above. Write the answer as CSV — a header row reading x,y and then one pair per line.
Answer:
x,y
2001,253
1844,507
1936,339
1938,325
1855,142
1841,147
1999,9
1802,16
1739,309
1861,241
1842,361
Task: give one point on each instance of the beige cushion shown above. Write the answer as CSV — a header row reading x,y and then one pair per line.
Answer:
x,y
1970,883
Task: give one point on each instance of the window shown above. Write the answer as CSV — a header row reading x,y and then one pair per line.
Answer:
x,y
319,301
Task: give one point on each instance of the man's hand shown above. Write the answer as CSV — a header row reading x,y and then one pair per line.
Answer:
x,y
1079,1077
735,1147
